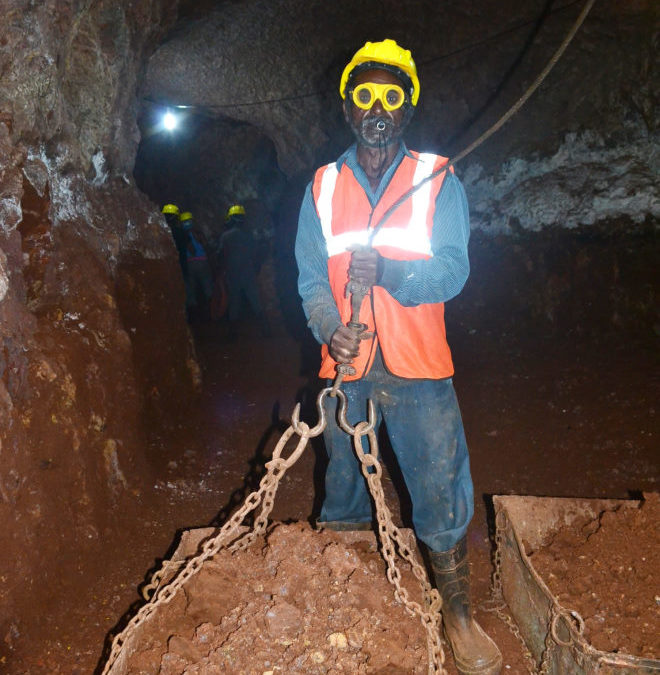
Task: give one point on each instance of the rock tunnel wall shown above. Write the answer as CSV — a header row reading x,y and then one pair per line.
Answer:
x,y
93,338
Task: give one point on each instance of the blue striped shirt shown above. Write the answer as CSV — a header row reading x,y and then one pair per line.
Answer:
x,y
410,282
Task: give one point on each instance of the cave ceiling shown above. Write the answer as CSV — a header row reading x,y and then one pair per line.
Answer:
x,y
276,65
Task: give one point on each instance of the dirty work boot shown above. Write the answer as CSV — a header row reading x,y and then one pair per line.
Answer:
x,y
474,652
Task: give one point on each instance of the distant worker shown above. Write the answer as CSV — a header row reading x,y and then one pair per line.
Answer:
x,y
171,213
408,255
236,250
199,280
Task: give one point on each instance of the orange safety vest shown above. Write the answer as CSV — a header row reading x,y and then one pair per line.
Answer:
x,y
413,340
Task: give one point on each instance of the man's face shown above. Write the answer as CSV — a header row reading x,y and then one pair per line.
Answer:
x,y
375,127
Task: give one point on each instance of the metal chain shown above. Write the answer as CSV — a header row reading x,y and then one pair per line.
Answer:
x,y
389,535
580,647
498,601
157,577
276,468
549,646
552,640
234,536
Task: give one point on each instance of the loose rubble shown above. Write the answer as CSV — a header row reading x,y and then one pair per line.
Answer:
x,y
302,602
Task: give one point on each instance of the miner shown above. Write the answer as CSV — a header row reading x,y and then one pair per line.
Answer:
x,y
237,250
199,280
409,261
171,214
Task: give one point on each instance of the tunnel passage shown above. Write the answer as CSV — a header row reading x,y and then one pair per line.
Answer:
x,y
206,164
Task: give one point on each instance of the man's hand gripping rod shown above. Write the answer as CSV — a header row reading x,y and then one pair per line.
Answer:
x,y
357,291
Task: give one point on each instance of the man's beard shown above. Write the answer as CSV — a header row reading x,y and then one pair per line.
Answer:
x,y
377,132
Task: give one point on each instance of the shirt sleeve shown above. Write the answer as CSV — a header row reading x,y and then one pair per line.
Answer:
x,y
441,277
313,283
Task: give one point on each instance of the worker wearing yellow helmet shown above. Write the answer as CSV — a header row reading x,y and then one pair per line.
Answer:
x,y
235,210
237,251
171,214
397,261
199,280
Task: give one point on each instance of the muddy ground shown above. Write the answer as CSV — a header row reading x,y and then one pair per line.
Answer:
x,y
552,414
591,568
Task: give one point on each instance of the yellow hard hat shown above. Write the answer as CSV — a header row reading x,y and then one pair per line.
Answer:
x,y
235,210
186,215
389,55
170,208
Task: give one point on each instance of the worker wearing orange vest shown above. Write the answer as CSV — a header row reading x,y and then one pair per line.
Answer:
x,y
410,264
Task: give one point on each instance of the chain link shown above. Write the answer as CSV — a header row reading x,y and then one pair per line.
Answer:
x,y
234,536
390,535
156,578
497,596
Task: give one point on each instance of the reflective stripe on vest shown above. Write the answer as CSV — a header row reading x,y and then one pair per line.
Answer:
x,y
414,238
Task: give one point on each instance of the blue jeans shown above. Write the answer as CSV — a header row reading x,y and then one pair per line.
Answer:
x,y
426,433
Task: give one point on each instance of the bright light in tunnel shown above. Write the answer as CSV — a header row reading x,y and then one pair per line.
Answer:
x,y
170,120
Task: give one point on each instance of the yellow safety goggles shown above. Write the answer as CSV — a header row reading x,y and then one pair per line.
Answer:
x,y
391,96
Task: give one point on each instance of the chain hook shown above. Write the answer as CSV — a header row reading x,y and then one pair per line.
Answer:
x,y
343,422
318,429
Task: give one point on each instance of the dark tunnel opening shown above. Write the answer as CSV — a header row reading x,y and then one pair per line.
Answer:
x,y
208,163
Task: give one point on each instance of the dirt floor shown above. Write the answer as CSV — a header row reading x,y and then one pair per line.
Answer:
x,y
543,416
591,567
